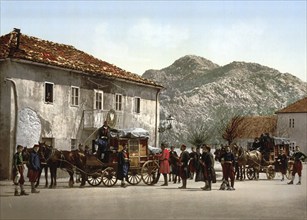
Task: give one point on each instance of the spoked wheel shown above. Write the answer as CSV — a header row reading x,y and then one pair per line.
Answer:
x,y
94,180
109,177
133,177
149,172
250,173
270,172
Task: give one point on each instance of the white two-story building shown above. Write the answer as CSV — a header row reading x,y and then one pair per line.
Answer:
x,y
58,94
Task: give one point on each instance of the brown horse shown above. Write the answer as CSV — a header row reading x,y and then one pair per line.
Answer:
x,y
67,160
241,160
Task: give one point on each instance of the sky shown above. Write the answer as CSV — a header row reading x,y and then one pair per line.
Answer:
x,y
141,35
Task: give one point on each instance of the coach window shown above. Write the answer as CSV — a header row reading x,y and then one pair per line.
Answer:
x,y
75,96
49,92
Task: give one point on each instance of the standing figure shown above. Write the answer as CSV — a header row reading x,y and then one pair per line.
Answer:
x,y
123,165
103,140
297,166
229,160
173,163
164,163
34,168
183,164
208,163
18,169
192,164
282,163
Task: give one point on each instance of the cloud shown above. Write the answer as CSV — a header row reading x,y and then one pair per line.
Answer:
x,y
157,34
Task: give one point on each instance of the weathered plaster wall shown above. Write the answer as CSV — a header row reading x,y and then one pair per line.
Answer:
x,y
298,133
60,121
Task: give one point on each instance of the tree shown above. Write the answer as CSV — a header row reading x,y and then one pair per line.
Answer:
x,y
198,133
233,129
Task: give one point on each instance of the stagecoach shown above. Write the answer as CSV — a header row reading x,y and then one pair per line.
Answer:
x,y
271,148
143,162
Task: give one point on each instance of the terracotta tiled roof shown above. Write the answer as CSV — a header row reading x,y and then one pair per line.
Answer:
x,y
61,55
299,106
254,126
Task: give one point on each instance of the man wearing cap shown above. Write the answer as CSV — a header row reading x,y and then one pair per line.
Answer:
x,y
123,165
18,169
183,163
229,161
297,166
34,168
164,163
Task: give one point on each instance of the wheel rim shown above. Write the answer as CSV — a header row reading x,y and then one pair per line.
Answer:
x,y
109,177
250,173
94,180
134,178
149,172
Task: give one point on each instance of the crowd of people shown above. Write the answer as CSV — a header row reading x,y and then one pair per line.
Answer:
x,y
197,164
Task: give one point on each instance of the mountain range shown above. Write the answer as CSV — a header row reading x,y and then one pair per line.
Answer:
x,y
200,92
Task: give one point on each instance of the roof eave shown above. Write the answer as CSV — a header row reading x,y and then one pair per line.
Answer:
x,y
82,72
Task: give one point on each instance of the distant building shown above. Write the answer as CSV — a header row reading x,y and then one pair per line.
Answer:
x,y
58,94
252,127
292,123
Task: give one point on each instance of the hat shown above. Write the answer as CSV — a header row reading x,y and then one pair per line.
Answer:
x,y
36,145
19,146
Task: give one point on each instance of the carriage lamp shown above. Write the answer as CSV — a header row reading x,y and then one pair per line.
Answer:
x,y
167,125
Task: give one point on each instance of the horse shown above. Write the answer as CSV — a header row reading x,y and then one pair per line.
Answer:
x,y
67,160
254,160
241,160
26,155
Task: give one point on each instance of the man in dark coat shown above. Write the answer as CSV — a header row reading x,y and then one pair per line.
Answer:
x,y
229,160
123,165
34,168
18,169
208,163
184,169
103,140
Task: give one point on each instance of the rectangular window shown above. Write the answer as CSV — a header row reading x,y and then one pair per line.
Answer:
x,y
291,123
73,144
74,96
118,102
98,102
137,105
48,92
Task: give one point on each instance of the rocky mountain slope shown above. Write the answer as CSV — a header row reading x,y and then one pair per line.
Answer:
x,y
199,91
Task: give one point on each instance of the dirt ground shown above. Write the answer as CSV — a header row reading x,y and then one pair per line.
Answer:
x,y
263,199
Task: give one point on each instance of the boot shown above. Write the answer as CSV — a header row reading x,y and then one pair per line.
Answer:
x,y
33,190
16,193
23,193
165,180
299,180
283,177
291,182
184,184
206,186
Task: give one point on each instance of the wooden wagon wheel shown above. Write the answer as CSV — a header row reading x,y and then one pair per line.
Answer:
x,y
109,177
133,177
149,172
250,173
270,172
95,179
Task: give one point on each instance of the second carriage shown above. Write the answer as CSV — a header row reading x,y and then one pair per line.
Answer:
x,y
101,167
271,149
